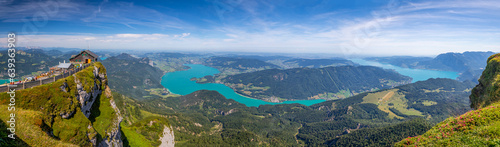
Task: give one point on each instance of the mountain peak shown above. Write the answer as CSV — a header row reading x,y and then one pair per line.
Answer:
x,y
125,56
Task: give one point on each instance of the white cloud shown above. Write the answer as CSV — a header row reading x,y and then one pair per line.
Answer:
x,y
427,28
89,38
129,35
123,13
232,35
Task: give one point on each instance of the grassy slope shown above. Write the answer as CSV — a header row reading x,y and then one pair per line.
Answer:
x,y
102,115
475,128
480,127
48,101
28,129
134,138
385,100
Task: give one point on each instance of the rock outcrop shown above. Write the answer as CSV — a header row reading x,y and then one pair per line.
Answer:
x,y
77,110
488,89
87,99
114,137
167,140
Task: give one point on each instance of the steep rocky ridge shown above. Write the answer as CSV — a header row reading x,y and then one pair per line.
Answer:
x,y
73,110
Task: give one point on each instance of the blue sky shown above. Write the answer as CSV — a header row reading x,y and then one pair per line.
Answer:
x,y
350,27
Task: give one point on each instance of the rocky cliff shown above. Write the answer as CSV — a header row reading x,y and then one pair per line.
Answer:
x,y
77,110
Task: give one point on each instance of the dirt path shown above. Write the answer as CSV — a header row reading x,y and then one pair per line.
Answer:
x,y
297,134
387,96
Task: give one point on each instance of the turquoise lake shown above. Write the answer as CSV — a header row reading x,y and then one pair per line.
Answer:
x,y
3,81
179,83
416,74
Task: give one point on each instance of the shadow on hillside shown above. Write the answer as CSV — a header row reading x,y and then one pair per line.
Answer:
x,y
94,113
6,141
124,139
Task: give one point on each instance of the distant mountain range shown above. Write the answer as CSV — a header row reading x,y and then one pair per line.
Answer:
x,y
262,58
469,64
283,62
231,65
313,63
30,61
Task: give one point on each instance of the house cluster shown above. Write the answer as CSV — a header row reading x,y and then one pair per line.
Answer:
x,y
84,57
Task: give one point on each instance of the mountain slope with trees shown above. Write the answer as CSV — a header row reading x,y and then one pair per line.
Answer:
x,y
132,76
31,61
208,118
308,83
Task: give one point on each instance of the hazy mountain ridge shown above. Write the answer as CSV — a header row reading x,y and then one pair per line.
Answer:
x,y
319,63
311,63
29,61
230,65
469,64
170,62
259,57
